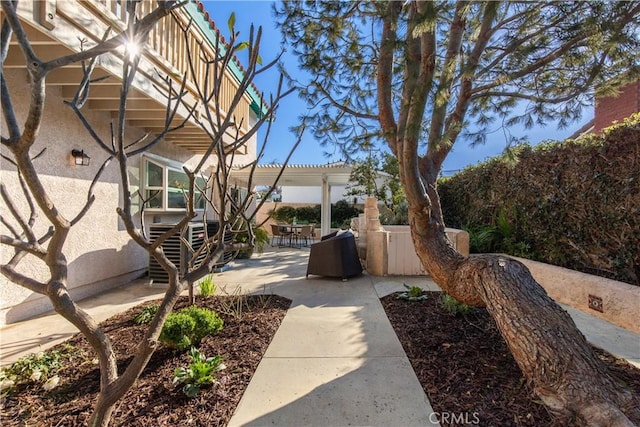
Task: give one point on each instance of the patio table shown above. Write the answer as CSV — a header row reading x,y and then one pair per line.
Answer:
x,y
295,230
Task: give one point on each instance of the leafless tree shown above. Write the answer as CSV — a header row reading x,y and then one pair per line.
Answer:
x,y
49,247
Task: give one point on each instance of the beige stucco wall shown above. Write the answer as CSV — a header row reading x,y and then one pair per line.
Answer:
x,y
97,248
99,252
620,301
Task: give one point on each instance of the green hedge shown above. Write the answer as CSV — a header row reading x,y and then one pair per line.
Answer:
x,y
574,203
341,214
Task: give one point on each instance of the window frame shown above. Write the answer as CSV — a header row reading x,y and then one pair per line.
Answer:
x,y
165,189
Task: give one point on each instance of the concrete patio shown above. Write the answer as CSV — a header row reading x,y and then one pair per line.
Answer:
x,y
335,359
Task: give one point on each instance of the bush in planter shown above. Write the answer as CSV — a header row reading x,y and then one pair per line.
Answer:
x,y
261,239
189,326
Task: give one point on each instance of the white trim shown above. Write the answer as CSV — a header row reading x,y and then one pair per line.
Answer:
x,y
166,165
164,160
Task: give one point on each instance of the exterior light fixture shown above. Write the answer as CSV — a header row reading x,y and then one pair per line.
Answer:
x,y
80,158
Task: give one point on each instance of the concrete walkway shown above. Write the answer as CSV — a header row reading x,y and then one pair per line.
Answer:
x,y
334,361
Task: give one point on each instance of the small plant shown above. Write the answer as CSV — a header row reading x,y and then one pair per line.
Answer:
x,y
200,372
264,299
453,306
413,293
207,287
34,368
146,315
189,326
234,303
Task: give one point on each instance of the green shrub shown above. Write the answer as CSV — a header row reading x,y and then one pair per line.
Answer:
x,y
189,326
200,372
308,214
453,306
342,213
146,315
261,239
499,236
303,214
571,203
399,216
284,214
207,287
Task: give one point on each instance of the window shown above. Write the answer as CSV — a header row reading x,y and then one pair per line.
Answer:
x,y
166,187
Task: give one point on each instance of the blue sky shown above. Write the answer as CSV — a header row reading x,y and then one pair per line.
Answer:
x,y
309,151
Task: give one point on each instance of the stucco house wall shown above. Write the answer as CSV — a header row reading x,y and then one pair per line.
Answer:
x,y
99,252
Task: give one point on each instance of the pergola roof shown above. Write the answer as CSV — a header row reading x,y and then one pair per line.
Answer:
x,y
324,176
297,175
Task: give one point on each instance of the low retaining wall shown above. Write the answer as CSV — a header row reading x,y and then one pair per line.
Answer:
x,y
613,301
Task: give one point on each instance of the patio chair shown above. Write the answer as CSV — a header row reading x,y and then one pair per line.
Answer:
x,y
280,233
305,233
313,231
336,255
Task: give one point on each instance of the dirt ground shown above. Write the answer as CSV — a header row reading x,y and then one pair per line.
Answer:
x,y
461,361
465,367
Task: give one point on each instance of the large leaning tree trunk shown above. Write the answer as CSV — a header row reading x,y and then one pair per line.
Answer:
x,y
421,73
21,230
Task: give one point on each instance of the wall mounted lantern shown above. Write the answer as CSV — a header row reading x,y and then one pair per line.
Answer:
x,y
80,158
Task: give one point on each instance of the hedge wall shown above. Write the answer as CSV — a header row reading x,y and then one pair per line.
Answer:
x,y
574,203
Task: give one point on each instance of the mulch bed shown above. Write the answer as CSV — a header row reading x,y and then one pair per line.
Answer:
x,y
466,369
155,400
462,363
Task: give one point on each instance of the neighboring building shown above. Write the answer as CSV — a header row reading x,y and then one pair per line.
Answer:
x,y
609,109
616,108
99,252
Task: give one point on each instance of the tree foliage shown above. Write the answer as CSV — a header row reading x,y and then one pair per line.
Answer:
x,y
486,64
367,181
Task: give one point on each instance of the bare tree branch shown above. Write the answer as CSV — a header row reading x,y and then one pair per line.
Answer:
x,y
24,225
22,280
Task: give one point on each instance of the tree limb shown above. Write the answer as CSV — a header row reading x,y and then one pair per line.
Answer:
x,y
385,72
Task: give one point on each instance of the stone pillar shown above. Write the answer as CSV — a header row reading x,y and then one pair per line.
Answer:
x,y
377,240
372,214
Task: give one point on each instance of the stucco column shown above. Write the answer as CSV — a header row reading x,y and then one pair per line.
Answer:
x,y
325,207
378,252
